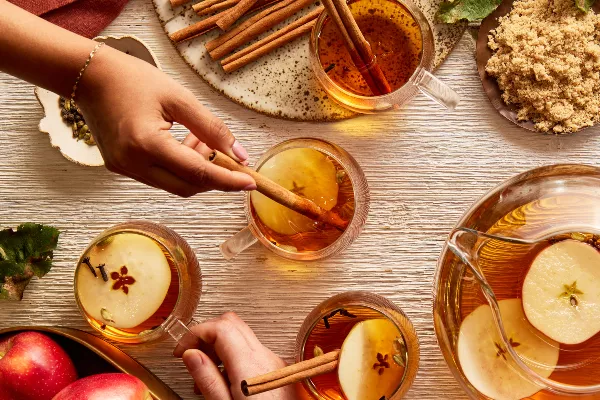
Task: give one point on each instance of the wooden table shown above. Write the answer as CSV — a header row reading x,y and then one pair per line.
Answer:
x,y
424,166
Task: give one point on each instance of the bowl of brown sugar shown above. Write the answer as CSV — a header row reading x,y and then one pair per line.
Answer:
x,y
401,41
539,62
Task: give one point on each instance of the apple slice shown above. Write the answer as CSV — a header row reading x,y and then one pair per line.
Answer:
x,y
561,292
485,362
366,369
138,276
306,172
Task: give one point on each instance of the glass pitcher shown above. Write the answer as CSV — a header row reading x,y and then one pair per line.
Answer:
x,y
479,288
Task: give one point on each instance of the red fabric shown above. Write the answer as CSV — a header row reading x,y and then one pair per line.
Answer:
x,y
84,17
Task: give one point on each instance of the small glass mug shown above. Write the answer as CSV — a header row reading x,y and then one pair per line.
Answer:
x,y
251,234
379,307
421,79
189,288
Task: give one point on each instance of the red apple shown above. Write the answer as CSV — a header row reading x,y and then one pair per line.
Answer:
x,y
106,387
33,367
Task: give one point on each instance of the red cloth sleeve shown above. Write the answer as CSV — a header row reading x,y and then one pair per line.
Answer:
x,y
84,17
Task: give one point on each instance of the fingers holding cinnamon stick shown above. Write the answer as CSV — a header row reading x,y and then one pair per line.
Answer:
x,y
280,194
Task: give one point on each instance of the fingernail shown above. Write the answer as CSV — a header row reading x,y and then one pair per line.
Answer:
x,y
192,360
239,151
251,186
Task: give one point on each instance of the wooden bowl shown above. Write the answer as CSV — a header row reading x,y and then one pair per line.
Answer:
x,y
92,355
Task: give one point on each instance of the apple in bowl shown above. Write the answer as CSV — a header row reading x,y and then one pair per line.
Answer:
x,y
112,386
33,367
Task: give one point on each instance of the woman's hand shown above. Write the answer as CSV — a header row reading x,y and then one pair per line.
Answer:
x,y
229,340
130,106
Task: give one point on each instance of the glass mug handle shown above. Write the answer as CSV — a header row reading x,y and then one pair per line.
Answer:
x,y
435,89
237,243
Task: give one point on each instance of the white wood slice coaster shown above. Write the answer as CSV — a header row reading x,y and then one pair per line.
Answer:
x,y
281,83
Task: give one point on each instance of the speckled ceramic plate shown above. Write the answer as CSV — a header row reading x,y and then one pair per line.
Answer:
x,y
61,136
281,83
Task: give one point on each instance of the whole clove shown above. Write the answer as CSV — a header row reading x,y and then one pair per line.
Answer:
x,y
103,272
86,261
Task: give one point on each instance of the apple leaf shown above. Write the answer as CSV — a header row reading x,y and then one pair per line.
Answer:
x,y
585,5
24,253
471,10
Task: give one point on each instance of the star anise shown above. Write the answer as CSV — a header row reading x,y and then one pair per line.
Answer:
x,y
122,280
570,293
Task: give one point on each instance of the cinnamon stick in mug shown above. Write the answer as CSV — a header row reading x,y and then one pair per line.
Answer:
x,y
280,194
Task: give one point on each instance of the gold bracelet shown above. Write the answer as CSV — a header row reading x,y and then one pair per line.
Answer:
x,y
87,62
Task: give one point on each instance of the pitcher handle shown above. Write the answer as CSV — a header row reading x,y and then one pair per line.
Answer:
x,y
435,89
237,243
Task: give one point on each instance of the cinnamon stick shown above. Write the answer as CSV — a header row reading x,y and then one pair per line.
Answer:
x,y
213,44
362,45
235,14
265,46
195,30
288,380
258,28
177,3
279,194
271,42
206,4
209,23
217,7
291,374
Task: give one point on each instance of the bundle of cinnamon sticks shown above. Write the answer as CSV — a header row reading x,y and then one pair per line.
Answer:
x,y
262,15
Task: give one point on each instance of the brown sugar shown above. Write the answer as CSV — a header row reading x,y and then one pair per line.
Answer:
x,y
547,62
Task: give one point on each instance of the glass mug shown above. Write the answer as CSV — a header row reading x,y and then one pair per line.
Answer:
x,y
362,306
421,80
183,295
484,263
252,233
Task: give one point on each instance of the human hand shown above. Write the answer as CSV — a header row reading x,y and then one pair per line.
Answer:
x,y
229,340
130,106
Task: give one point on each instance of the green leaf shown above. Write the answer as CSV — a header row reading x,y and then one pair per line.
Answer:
x,y
25,253
585,5
471,10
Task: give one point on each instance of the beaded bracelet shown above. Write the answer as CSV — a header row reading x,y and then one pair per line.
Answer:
x,y
87,62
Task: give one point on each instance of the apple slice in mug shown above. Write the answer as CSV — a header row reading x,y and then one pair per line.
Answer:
x,y
485,362
367,369
561,292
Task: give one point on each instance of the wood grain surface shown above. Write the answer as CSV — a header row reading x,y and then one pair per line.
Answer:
x,y
425,167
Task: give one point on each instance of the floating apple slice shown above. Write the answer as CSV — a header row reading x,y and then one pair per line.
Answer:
x,y
306,172
561,292
485,362
366,369
138,276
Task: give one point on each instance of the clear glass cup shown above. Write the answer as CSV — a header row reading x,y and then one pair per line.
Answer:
x,y
487,256
363,305
422,80
252,233
185,290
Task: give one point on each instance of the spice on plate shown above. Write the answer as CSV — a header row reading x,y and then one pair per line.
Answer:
x,y
73,117
547,63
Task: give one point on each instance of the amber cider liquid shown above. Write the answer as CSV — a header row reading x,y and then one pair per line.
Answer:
x,y
323,235
505,266
395,39
163,312
330,337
